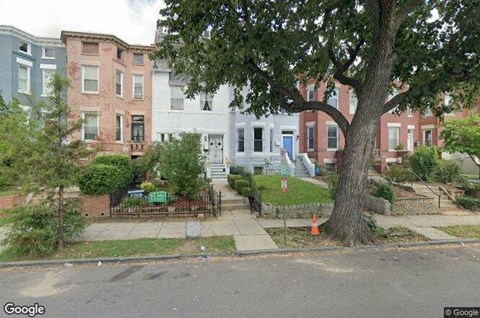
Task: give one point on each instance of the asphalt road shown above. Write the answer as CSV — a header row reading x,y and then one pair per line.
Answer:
x,y
366,283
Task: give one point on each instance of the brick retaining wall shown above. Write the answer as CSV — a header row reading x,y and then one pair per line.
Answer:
x,y
8,201
401,206
95,205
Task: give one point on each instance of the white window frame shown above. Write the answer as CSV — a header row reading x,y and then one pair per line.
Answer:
x,y
29,47
121,127
175,96
121,83
238,139
263,141
409,112
337,137
83,125
310,135
138,54
424,139
83,79
143,86
390,129
28,79
44,56
352,102
310,89
205,98
337,95
46,90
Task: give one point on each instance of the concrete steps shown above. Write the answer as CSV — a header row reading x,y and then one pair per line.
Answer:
x,y
300,171
235,204
445,202
218,171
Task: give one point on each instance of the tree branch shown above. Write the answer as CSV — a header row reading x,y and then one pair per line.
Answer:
x,y
396,100
294,101
404,10
340,67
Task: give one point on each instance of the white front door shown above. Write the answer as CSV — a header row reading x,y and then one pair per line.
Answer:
x,y
215,143
410,140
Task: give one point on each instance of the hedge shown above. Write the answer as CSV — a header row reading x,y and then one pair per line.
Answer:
x,y
469,202
240,184
247,191
231,178
101,179
120,161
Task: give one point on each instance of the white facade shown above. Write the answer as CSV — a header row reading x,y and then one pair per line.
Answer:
x,y
188,115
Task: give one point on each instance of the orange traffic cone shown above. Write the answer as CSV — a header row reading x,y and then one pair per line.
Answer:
x,y
314,230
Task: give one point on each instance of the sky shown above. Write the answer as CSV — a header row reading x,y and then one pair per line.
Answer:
x,y
133,21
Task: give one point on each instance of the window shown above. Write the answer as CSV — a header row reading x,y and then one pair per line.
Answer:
x,y
409,111
48,52
89,48
257,170
90,126
24,47
206,101
138,59
177,98
138,86
240,140
119,124
23,79
310,137
427,112
89,79
271,140
427,137
257,139
119,83
352,102
333,100
119,53
393,137
332,137
138,128
310,93
330,166
47,75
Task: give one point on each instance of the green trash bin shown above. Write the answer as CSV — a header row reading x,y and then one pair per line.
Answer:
x,y
158,197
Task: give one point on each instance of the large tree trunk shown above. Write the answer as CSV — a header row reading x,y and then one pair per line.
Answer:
x,y
347,222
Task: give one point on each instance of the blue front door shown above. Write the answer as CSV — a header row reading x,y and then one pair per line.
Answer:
x,y
288,145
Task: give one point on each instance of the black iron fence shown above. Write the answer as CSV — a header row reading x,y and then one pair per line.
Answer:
x,y
255,198
207,203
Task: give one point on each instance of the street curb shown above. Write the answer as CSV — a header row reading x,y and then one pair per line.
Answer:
x,y
118,260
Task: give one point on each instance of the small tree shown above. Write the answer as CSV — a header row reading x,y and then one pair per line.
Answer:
x,y
463,135
181,164
44,158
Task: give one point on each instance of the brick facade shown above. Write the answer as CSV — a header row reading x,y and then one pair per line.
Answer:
x,y
110,55
95,205
8,201
411,129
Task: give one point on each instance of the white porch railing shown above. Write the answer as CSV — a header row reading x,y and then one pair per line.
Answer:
x,y
291,166
307,163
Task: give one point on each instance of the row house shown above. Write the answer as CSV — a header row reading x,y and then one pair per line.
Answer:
x,y
27,63
110,90
322,140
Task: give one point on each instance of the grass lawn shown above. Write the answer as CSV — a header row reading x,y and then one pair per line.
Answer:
x,y
301,238
299,191
139,247
470,176
463,231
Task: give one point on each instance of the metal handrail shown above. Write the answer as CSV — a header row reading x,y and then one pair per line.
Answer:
x,y
438,195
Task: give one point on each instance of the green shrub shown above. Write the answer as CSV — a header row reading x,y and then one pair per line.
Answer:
x,y
447,171
399,174
231,178
34,228
148,187
469,202
237,170
132,202
240,184
384,191
122,162
424,162
333,184
247,191
101,179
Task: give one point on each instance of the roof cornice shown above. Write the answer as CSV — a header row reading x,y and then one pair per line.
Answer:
x,y
30,38
105,38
